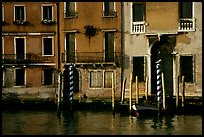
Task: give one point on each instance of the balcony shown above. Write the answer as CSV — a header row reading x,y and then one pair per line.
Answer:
x,y
186,25
26,58
138,27
92,58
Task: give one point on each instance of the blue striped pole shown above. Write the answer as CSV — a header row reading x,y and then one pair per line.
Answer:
x,y
159,85
71,84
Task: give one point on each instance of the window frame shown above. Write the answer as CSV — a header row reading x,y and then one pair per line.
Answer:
x,y
2,10
24,8
43,46
23,78
65,48
104,48
104,79
91,79
47,21
139,24
74,12
193,68
43,77
24,46
114,10
144,68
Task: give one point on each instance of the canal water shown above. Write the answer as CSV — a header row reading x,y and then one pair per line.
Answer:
x,y
91,122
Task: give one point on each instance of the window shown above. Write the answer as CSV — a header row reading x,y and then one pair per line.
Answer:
x,y
2,14
70,9
187,68
109,46
20,48
19,15
109,9
108,79
138,17
96,79
70,47
138,69
47,77
47,14
186,20
20,77
48,46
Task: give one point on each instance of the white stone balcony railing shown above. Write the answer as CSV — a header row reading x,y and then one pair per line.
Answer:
x,y
138,27
186,25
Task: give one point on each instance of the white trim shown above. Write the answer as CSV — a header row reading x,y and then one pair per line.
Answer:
x,y
75,9
44,64
26,34
114,9
2,42
44,45
2,13
24,12
70,31
24,46
108,30
44,5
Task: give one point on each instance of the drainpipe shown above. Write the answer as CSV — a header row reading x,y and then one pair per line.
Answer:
x,y
122,44
58,57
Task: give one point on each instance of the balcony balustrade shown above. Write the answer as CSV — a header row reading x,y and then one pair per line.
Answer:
x,y
138,27
186,25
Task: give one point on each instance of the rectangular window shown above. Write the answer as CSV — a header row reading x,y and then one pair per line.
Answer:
x,y
48,77
187,68
109,9
138,69
109,46
19,13
108,79
20,49
70,47
185,10
138,10
96,79
20,77
70,9
186,20
47,12
47,46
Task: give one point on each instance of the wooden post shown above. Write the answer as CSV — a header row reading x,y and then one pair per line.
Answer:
x,y
113,93
130,94
136,90
123,91
164,99
183,92
177,94
146,89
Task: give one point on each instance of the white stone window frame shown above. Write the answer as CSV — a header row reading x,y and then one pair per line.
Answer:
x,y
44,5
75,10
2,10
193,67
24,46
43,46
114,6
24,77
14,19
192,19
90,79
139,23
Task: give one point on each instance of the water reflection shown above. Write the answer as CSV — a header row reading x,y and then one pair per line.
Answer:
x,y
96,123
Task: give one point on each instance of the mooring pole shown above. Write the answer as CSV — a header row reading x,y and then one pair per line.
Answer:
x,y
183,92
177,95
130,95
113,93
163,89
159,86
146,89
71,86
59,88
136,89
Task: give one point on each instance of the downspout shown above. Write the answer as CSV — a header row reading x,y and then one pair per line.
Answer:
x,y
122,45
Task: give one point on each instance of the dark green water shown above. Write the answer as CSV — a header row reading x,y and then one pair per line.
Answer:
x,y
22,122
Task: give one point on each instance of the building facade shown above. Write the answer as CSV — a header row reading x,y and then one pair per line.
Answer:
x,y
166,31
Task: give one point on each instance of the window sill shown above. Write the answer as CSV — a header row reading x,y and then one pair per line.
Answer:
x,y
20,22
47,22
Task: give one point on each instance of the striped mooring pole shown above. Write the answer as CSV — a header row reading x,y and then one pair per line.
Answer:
x,y
159,86
71,85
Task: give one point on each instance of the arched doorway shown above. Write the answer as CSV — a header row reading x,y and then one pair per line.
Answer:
x,y
162,49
